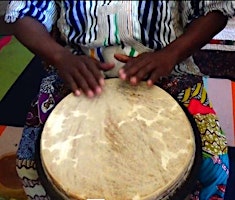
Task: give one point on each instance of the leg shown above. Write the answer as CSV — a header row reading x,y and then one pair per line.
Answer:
x,y
26,167
51,92
213,175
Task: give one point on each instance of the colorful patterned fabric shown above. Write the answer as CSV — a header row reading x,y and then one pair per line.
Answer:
x,y
222,94
215,165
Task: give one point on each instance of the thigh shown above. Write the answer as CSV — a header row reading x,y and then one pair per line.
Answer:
x,y
190,92
52,90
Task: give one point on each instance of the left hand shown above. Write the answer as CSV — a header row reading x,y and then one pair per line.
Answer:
x,y
149,64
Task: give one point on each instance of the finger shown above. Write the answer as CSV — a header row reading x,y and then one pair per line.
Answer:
x,y
124,71
102,66
106,66
82,83
130,69
122,57
98,74
141,74
154,77
69,81
85,88
77,93
122,74
93,76
139,71
94,67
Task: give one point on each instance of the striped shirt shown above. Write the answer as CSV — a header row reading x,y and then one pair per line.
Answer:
x,y
101,28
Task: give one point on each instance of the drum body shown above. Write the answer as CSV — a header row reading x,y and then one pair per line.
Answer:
x,y
131,142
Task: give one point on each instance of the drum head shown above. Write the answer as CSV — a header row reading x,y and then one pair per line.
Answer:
x,y
131,142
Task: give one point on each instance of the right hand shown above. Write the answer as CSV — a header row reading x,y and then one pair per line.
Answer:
x,y
82,73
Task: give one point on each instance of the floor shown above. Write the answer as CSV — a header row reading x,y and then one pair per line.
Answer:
x,y
13,59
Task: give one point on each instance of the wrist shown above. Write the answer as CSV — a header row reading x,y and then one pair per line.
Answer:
x,y
180,49
171,54
58,55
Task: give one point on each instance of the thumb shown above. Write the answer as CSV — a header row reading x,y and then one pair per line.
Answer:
x,y
122,57
106,66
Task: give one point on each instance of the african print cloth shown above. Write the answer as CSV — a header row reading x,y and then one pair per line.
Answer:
x,y
222,95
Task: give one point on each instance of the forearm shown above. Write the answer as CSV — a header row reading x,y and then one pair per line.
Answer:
x,y
37,39
5,29
198,34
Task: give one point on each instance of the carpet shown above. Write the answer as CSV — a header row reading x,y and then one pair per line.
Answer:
x,y
10,185
13,59
24,88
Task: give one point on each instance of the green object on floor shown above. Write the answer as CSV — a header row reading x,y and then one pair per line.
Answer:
x,y
13,59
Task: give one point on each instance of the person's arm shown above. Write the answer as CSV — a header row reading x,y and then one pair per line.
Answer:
x,y
161,63
80,73
5,29
31,22
37,39
198,33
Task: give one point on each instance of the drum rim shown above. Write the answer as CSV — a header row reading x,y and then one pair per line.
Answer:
x,y
180,193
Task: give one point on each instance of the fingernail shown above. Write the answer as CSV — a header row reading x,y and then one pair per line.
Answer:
x,y
101,81
121,71
98,90
133,80
122,76
149,83
90,94
77,93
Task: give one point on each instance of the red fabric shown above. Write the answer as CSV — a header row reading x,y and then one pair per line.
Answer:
x,y
196,107
2,128
4,41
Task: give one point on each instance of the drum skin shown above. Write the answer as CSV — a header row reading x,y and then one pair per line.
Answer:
x,y
109,153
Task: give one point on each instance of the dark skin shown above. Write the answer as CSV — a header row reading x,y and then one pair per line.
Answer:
x,y
80,73
162,62
83,74
5,29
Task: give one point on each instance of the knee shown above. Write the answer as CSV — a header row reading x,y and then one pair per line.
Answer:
x,y
213,176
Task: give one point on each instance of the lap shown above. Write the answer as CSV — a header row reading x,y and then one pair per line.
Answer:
x,y
188,90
